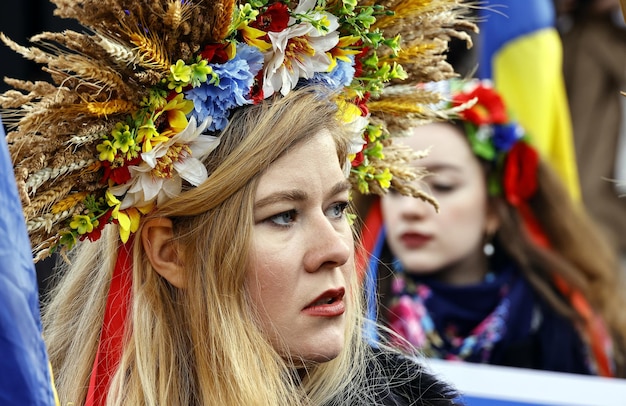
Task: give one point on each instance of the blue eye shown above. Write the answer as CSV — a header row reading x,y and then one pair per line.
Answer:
x,y
284,219
337,210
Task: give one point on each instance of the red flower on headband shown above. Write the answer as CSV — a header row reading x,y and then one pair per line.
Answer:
x,y
520,174
118,174
489,108
274,19
215,53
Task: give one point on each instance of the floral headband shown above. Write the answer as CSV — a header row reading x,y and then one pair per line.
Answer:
x,y
138,102
498,139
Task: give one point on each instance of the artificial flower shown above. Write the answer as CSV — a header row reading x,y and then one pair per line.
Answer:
x,y
144,187
128,219
147,134
82,224
117,171
520,173
384,178
96,233
176,111
341,76
107,151
216,53
299,50
274,19
255,37
123,138
505,136
181,72
200,72
236,77
489,107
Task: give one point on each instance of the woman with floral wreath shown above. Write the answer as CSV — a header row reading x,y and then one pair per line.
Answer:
x,y
508,271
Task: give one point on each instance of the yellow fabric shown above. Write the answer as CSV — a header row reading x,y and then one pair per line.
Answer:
x,y
57,402
528,74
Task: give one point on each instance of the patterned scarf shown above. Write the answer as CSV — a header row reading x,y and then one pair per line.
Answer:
x,y
461,322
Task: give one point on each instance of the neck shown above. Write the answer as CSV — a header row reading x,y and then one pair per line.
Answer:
x,y
469,270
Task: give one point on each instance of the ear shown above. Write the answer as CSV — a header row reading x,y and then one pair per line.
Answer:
x,y
162,251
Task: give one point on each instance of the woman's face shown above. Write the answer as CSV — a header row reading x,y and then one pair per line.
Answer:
x,y
449,242
302,252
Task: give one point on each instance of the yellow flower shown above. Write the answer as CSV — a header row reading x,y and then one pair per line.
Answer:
x,y
176,110
128,219
129,222
180,76
384,179
348,112
82,224
107,151
180,71
341,51
123,137
148,135
252,36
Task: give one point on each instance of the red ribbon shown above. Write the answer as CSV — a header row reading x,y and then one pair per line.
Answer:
x,y
369,233
112,334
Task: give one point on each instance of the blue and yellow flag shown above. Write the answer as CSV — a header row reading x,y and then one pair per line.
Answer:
x,y
24,368
521,52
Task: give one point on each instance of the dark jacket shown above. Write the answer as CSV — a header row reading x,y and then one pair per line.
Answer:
x,y
398,380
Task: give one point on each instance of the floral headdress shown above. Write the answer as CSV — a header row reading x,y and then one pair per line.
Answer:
x,y
496,138
138,101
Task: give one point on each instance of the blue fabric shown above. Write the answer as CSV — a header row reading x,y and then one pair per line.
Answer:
x,y
506,20
478,401
24,372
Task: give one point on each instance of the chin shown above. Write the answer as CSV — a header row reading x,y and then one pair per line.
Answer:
x,y
319,358
420,266
323,351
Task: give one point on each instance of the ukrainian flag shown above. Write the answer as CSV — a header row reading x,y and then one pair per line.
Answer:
x,y
521,52
24,368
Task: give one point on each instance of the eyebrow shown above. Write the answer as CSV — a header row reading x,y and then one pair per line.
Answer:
x,y
295,195
444,167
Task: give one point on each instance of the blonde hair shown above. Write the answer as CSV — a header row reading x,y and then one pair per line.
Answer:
x,y
201,345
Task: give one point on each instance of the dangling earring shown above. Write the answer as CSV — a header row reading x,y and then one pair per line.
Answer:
x,y
488,249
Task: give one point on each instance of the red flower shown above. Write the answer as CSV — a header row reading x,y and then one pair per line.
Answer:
x,y
489,108
96,233
520,174
119,174
274,19
215,53
358,159
361,103
256,92
358,64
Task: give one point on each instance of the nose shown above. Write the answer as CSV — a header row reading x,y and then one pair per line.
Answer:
x,y
329,245
411,208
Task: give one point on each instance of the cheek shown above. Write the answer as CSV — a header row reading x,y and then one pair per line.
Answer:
x,y
466,220
267,284
390,211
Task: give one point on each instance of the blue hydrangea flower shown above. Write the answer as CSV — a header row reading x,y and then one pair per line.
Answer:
x,y
339,77
236,77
